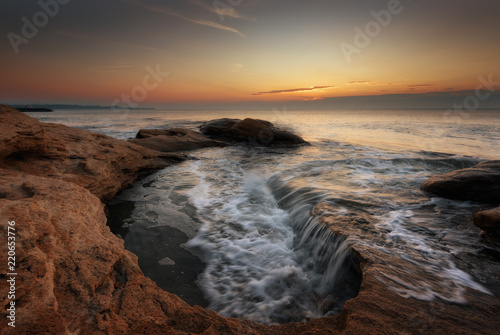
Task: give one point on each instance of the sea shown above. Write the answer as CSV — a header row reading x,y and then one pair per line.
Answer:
x,y
235,229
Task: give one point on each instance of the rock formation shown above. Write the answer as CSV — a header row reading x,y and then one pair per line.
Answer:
x,y
101,164
252,131
480,183
489,221
75,277
217,133
174,139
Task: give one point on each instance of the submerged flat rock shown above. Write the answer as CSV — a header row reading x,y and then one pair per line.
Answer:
x,y
252,131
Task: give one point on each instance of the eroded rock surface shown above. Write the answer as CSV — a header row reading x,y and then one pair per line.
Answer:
x,y
99,163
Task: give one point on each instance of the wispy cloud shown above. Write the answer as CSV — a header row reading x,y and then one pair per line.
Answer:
x,y
101,39
167,11
420,85
295,90
415,86
222,10
359,82
368,82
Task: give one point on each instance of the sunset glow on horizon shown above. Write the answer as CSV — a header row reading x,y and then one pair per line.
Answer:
x,y
244,51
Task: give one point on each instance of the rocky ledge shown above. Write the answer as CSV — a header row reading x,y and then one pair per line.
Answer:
x,y
99,163
480,183
75,277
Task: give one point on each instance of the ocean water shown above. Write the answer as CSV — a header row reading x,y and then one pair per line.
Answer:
x,y
247,212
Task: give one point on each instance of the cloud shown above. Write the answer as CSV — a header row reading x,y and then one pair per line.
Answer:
x,y
367,82
360,82
222,9
420,85
414,87
295,90
167,11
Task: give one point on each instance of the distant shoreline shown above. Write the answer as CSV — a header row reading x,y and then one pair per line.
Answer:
x,y
28,109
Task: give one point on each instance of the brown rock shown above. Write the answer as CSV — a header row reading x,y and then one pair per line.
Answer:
x,y
99,163
253,131
480,183
489,221
174,139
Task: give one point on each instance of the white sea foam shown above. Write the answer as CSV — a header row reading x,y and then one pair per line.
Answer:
x,y
425,268
257,267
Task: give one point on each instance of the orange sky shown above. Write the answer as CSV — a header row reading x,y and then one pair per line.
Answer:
x,y
257,50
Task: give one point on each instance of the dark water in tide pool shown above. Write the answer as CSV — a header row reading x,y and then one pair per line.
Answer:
x,y
246,211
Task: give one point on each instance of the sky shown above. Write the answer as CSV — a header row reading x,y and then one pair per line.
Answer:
x,y
249,53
